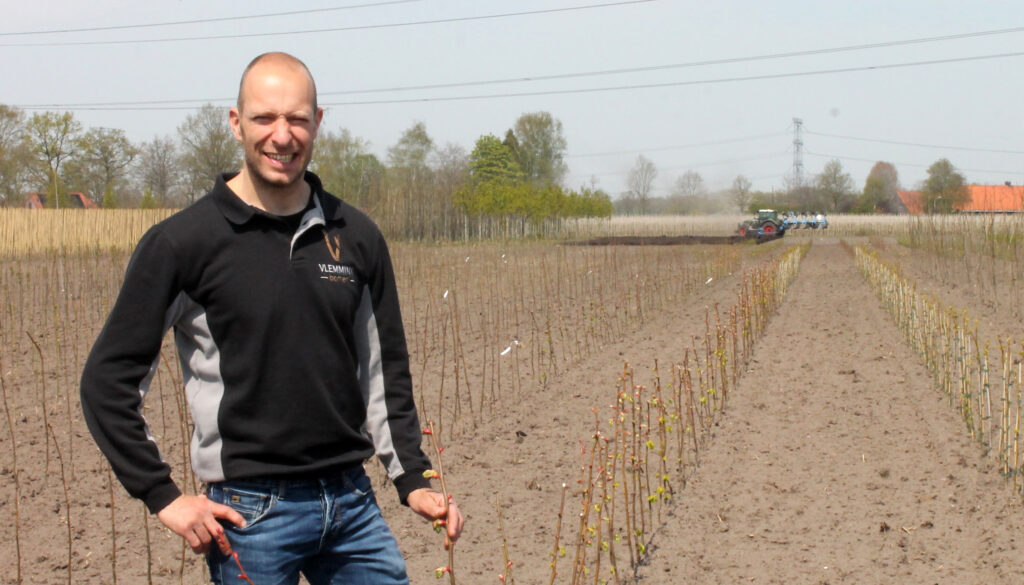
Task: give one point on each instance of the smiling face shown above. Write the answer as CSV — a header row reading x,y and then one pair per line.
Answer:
x,y
276,120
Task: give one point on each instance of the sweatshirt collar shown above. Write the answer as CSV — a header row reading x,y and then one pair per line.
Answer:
x,y
239,212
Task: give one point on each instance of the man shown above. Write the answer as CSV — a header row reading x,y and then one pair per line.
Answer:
x,y
296,370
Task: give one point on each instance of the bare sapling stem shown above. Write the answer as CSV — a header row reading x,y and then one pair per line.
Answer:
x,y
149,546
506,570
67,498
17,478
558,551
42,396
440,525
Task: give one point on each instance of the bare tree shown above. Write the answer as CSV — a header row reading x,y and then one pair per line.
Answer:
x,y
640,181
690,184
740,192
208,147
451,166
158,168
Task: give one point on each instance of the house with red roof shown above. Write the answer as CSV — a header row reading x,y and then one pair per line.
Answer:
x,y
1005,198
78,200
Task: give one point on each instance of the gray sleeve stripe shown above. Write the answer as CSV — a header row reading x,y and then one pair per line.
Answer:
x,y
371,384
204,388
171,315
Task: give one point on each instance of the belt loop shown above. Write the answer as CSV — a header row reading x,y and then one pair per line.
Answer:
x,y
282,489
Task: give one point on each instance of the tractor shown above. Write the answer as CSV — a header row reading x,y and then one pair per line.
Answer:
x,y
767,223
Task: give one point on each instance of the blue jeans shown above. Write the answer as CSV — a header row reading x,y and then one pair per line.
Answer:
x,y
330,530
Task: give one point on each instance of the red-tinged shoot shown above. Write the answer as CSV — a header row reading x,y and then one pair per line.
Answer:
x,y
431,474
222,541
440,571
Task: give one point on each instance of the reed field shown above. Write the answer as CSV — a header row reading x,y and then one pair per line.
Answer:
x,y
573,392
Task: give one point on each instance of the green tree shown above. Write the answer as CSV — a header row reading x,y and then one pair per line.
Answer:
x,y
53,138
412,149
540,148
512,144
101,163
835,187
493,160
589,202
489,198
347,168
208,147
880,190
945,189
872,200
109,200
15,157
147,201
411,196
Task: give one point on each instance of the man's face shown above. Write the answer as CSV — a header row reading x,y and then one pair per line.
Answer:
x,y
276,124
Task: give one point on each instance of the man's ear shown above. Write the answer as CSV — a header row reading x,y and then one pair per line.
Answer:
x,y
235,120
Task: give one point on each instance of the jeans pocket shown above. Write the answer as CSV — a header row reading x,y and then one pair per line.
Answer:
x,y
252,505
357,481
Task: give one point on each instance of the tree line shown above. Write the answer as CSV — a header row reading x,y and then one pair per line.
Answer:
x,y
420,190
832,190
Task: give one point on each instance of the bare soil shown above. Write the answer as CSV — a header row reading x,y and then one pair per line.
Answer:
x,y
837,461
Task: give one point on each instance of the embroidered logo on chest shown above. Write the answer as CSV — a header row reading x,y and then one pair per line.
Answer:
x,y
333,246
335,272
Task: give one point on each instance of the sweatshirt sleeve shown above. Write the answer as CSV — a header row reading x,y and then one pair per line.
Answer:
x,y
120,367
385,378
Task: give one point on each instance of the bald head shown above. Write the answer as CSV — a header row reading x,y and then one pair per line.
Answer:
x,y
272,61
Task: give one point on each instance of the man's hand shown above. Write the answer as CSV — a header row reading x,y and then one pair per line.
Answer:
x,y
429,503
194,518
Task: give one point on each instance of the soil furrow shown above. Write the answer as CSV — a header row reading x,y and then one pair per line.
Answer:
x,y
839,462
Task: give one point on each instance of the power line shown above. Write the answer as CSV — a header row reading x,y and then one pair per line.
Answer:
x,y
754,157
1002,172
331,29
918,144
203,20
768,76
685,83
677,147
534,78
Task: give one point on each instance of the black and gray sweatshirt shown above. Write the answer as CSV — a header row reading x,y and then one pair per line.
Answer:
x,y
291,345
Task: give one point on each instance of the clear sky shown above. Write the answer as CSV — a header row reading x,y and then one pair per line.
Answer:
x,y
625,78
